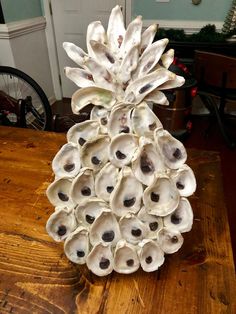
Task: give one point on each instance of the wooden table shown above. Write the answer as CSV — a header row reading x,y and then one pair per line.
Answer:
x,y
35,276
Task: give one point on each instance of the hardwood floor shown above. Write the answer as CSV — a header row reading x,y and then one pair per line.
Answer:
x,y
198,139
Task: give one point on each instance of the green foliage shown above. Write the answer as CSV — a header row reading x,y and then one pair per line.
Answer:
x,y
207,33
171,34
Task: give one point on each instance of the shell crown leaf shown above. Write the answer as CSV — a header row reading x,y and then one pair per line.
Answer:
x,y
125,63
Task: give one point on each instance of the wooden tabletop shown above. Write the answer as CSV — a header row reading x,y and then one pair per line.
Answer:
x,y
36,277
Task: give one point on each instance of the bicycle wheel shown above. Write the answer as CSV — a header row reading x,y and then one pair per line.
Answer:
x,y
20,86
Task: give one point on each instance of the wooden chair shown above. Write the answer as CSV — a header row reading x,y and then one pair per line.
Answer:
x,y
216,76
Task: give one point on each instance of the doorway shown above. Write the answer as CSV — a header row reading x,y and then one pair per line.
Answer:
x,y
69,20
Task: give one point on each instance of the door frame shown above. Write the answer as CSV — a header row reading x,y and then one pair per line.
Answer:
x,y
51,43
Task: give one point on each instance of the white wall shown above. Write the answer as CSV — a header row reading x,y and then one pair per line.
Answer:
x,y
23,45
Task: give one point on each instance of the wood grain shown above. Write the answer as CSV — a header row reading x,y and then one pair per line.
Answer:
x,y
35,276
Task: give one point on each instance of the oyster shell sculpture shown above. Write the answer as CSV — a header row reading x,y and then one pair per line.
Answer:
x,y
121,182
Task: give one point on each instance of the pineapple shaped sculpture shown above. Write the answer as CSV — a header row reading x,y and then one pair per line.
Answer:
x,y
121,181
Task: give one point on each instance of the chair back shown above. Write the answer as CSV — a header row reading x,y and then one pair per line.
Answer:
x,y
215,70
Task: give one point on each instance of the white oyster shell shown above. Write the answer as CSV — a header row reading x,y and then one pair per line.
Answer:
x,y
147,37
115,30
120,120
157,97
76,246
75,53
103,54
161,197
105,181
81,78
58,193
132,35
140,88
100,114
94,153
144,121
100,260
88,211
82,186
126,260
127,194
153,223
182,218
170,240
185,180
150,57
167,58
172,149
128,65
61,224
148,162
151,255
122,149
83,131
132,229
105,229
67,161
92,95
95,32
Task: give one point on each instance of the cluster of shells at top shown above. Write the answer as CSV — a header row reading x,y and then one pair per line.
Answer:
x,y
121,180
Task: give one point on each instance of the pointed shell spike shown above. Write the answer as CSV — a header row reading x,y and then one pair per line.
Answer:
x,y
132,35
157,97
75,53
103,55
177,81
95,31
148,37
150,57
115,29
81,78
128,65
167,58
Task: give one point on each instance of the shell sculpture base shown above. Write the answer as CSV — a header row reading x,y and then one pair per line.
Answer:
x,y
121,182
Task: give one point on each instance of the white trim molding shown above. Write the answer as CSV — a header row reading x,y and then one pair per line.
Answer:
x,y
128,12
188,26
52,50
19,28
